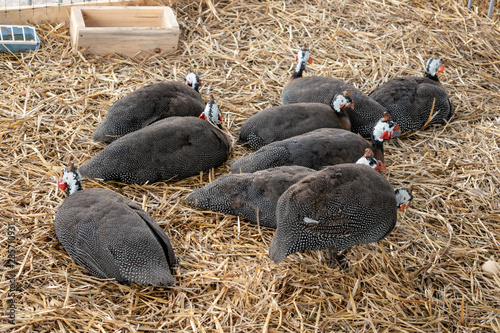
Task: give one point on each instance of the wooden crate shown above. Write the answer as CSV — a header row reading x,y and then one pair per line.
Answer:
x,y
123,30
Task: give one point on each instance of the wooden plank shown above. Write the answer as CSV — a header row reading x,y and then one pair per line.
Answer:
x,y
76,21
125,17
169,19
57,13
128,43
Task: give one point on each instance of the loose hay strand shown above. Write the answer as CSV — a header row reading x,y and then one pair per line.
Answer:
x,y
424,277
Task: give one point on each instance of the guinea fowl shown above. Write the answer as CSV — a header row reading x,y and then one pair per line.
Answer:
x,y
254,195
250,195
285,121
369,159
149,104
171,148
336,208
111,236
415,101
319,89
319,148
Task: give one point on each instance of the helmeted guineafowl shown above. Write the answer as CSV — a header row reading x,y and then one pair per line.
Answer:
x,y
250,195
149,104
284,121
316,149
336,208
254,195
369,159
171,148
319,89
111,236
415,101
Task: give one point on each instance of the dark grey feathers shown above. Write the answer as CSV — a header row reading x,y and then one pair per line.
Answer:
x,y
250,195
319,89
147,105
171,148
316,149
113,237
409,100
285,121
337,207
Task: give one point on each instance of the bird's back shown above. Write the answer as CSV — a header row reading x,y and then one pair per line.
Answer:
x,y
175,147
147,105
251,195
319,89
285,121
315,149
113,237
338,206
410,100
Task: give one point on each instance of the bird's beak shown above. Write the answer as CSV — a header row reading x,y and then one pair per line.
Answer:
x,y
310,60
440,69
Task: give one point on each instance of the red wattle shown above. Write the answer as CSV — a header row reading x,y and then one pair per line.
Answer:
x,y
62,184
385,136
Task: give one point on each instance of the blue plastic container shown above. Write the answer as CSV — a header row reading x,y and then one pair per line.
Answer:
x,y
18,38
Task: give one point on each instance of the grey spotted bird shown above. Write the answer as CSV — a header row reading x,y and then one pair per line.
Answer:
x,y
285,121
149,104
111,236
250,195
254,195
319,89
317,149
171,148
415,101
335,208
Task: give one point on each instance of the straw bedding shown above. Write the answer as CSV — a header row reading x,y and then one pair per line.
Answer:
x,y
424,277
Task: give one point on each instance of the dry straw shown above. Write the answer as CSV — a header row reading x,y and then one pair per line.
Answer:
x,y
424,277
